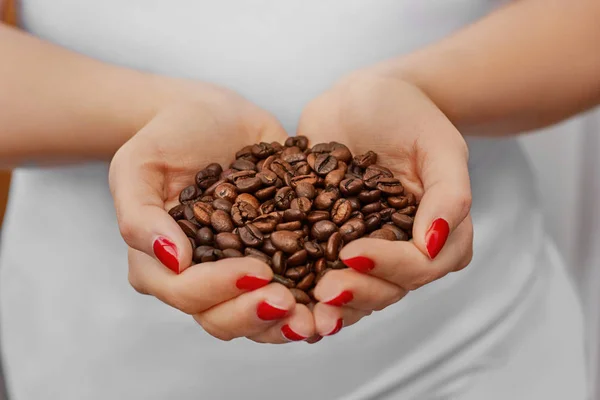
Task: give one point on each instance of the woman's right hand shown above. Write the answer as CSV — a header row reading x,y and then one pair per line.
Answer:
x,y
230,298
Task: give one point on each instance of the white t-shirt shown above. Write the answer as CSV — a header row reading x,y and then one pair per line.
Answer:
x,y
72,328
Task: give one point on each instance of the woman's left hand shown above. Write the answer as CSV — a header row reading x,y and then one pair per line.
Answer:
x,y
412,137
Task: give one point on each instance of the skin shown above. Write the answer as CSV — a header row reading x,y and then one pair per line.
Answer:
x,y
499,76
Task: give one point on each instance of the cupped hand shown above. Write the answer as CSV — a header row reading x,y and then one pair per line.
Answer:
x,y
412,137
229,298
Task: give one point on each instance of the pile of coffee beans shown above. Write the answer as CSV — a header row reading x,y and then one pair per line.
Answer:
x,y
293,207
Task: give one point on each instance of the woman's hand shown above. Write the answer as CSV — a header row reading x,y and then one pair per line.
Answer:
x,y
413,138
230,298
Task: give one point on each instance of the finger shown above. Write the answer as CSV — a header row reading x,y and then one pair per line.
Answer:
x,y
300,325
347,287
402,264
137,187
199,287
248,314
329,320
446,200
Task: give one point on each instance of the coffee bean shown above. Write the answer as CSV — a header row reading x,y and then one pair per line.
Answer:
x,y
320,265
334,245
226,174
282,168
267,178
334,177
307,179
266,223
299,141
250,235
177,212
192,243
365,160
286,241
199,252
284,197
205,237
293,215
279,263
323,229
289,226
300,296
371,208
243,212
302,204
297,258
321,148
305,231
262,150
341,152
232,253
266,165
374,173
207,199
297,273
403,221
357,214
284,281
316,216
384,234
355,202
397,202
251,252
326,198
353,229
301,168
189,194
188,228
310,159
277,146
205,179
226,191
313,249
221,221
267,207
306,282
390,186
294,158
243,165
351,186
268,248
244,152
341,211
324,164
398,233
222,204
412,200
248,185
369,196
337,264
265,193
372,222
386,214
410,210
211,190
290,150
228,240
305,189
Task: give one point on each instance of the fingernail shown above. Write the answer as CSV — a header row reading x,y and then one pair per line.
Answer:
x,y
343,298
166,252
338,327
436,237
267,312
249,282
289,334
360,264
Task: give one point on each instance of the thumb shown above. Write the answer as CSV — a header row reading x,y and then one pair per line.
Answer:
x,y
136,186
446,200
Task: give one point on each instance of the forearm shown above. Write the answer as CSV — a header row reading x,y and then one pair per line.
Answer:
x,y
528,65
58,106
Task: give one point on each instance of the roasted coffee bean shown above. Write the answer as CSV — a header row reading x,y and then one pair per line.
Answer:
x,y
374,173
281,168
240,175
357,214
337,264
371,208
403,221
308,179
297,258
305,231
341,152
399,233
226,191
232,253
321,148
313,250
300,232
297,273
293,215
222,204
214,168
226,174
301,168
188,213
316,216
221,221
324,164
192,243
277,146
245,151
320,265
212,255
286,241
390,186
310,159
293,158
306,282
300,141
203,212
353,229
189,228
189,194
207,199
243,165
323,229
340,212
228,240
266,223
205,237
412,200
397,202
410,210
302,204
334,245
372,222
265,193
369,196
266,164
304,189
365,160
355,202
262,150
177,212
326,198
284,281
248,185
284,197
250,235
199,252
268,247
211,190
251,252
290,150
279,263
334,177
386,214
384,234
351,186
299,295
205,179
243,212
289,226
267,178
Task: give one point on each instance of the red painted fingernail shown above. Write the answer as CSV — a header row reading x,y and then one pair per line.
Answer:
x,y
343,298
338,327
436,237
360,264
267,312
289,334
251,282
166,252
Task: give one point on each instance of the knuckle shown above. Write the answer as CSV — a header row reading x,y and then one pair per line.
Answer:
x,y
213,329
127,230
182,303
463,202
421,280
136,283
